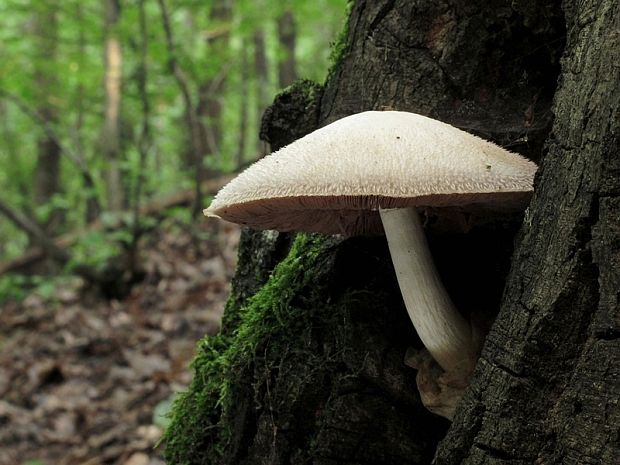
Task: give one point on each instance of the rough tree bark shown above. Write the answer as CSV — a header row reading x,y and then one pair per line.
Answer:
x,y
310,369
547,388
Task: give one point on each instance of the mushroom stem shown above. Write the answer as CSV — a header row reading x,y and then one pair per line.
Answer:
x,y
443,330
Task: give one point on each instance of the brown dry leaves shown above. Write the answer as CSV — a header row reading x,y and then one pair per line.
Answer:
x,y
80,376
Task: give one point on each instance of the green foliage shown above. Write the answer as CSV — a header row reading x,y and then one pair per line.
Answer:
x,y
57,203
16,287
180,214
60,70
95,248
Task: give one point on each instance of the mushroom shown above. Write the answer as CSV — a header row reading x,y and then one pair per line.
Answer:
x,y
373,170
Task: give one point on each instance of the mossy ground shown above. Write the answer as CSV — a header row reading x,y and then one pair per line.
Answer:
x,y
202,418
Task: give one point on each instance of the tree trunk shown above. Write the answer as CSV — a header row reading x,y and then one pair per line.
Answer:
x,y
196,141
286,37
310,369
550,368
209,109
93,207
243,110
47,169
261,72
110,137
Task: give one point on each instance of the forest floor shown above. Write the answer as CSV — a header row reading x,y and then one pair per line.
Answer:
x,y
84,380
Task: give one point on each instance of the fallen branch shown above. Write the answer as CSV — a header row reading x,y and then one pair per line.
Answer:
x,y
39,236
56,248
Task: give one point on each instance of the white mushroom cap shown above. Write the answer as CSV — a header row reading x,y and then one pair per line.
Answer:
x,y
335,179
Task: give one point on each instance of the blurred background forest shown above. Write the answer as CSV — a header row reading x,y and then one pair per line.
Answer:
x,y
118,120
107,106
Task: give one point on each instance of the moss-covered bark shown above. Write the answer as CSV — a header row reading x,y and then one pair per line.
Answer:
x,y
303,370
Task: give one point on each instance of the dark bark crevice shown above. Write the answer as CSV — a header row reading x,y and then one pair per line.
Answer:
x,y
563,271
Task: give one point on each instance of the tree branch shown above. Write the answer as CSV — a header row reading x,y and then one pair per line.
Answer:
x,y
65,241
192,121
35,232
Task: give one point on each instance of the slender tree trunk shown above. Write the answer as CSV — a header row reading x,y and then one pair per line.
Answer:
x,y
93,208
196,141
209,108
144,139
47,169
261,72
244,101
287,37
110,137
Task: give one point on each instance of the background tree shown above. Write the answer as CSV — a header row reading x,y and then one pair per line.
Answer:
x,y
93,206
47,170
75,102
309,365
211,91
111,132
286,35
197,142
244,100
262,77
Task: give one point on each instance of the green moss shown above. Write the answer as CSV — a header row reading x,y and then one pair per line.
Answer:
x,y
305,87
340,47
202,420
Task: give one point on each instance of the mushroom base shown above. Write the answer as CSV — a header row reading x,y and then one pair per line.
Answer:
x,y
440,391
